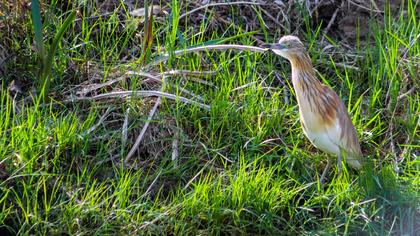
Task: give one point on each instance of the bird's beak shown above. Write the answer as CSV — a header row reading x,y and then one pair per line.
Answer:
x,y
277,46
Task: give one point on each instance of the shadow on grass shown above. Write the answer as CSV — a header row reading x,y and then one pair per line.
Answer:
x,y
396,201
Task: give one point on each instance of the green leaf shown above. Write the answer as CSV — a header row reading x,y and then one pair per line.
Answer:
x,y
46,73
58,37
36,21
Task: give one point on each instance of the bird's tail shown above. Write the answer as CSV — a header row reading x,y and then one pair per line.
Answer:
x,y
354,162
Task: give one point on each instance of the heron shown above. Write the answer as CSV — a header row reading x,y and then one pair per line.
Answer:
x,y
323,116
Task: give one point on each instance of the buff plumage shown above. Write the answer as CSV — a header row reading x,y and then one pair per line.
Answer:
x,y
324,117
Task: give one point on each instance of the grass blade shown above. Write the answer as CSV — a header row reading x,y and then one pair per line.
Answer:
x,y
37,23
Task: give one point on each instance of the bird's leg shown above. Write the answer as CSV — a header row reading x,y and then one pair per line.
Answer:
x,y
325,171
339,163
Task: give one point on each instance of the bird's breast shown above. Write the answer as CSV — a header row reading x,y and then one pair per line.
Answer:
x,y
314,114
316,123
324,117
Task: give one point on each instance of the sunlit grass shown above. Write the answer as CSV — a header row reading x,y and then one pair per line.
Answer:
x,y
243,167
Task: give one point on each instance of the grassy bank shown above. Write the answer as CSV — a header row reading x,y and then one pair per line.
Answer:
x,y
244,166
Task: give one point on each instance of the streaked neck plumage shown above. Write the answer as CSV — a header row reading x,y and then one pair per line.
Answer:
x,y
303,73
311,94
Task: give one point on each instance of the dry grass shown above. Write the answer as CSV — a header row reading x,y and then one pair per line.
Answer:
x,y
225,153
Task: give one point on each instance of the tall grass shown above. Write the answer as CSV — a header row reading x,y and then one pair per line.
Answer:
x,y
47,55
244,167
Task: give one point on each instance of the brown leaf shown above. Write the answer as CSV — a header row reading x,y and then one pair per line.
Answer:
x,y
148,38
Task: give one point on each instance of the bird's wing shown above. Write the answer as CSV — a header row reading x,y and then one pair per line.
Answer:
x,y
343,132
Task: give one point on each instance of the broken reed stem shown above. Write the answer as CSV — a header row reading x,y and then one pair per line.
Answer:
x,y
151,77
121,78
140,93
142,132
166,56
219,47
125,128
100,122
190,73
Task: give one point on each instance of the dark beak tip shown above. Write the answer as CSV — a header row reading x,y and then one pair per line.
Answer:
x,y
266,45
273,46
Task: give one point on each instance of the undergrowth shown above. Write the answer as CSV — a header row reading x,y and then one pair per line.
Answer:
x,y
244,167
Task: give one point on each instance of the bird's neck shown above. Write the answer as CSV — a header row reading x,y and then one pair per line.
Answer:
x,y
303,73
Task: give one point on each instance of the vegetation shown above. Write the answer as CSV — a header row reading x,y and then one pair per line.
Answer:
x,y
241,167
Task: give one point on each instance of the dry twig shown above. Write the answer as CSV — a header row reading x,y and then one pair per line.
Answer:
x,y
142,93
101,120
165,57
142,132
125,128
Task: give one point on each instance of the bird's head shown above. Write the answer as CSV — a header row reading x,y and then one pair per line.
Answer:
x,y
288,47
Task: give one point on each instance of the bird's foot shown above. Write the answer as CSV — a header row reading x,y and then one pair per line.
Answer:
x,y
339,165
322,180
324,173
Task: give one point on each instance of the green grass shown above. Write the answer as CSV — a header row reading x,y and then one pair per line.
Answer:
x,y
245,167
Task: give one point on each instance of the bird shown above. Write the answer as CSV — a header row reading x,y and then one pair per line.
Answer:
x,y
323,116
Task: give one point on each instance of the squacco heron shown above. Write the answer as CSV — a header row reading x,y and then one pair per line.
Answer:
x,y
324,117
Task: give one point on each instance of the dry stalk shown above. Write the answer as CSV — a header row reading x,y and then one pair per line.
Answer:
x,y
121,78
175,151
190,73
125,128
165,57
141,93
142,132
100,122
